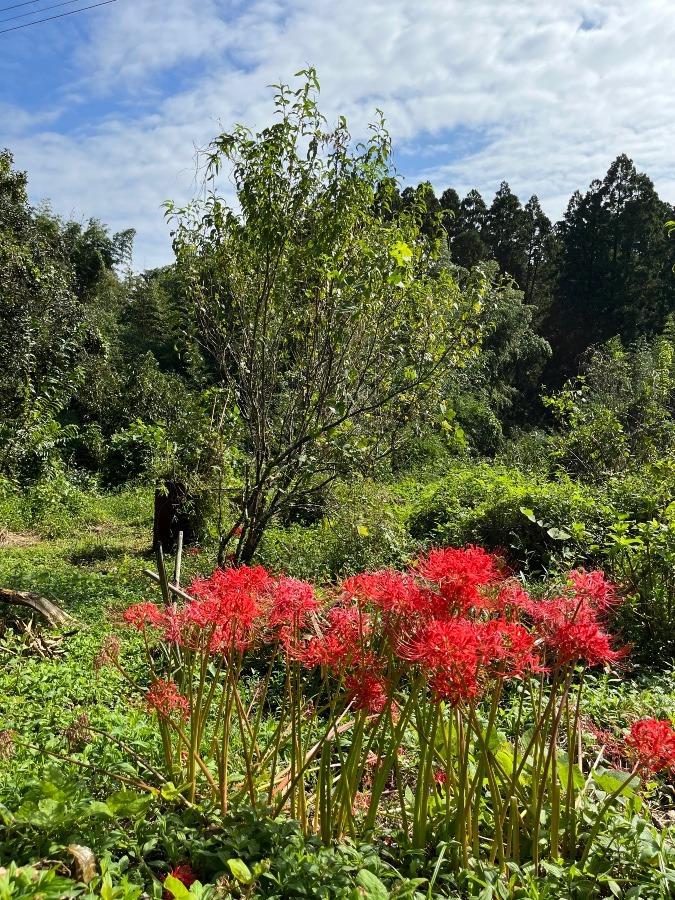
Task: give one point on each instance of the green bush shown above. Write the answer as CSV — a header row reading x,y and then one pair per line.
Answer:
x,y
537,523
362,529
641,558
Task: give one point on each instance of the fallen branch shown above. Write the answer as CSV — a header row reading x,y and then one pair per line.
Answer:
x,y
51,612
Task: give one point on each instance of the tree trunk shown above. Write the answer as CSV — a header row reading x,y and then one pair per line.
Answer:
x,y
174,512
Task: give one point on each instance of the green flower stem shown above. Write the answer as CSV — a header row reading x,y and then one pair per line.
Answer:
x,y
600,816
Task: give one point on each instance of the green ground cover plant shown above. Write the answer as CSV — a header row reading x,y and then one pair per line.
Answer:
x,y
141,831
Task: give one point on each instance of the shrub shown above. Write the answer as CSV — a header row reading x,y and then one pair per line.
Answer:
x,y
538,524
361,529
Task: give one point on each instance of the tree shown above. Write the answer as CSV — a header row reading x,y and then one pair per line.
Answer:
x,y
468,243
621,412
422,202
498,388
41,329
540,249
449,212
327,322
505,233
94,253
614,260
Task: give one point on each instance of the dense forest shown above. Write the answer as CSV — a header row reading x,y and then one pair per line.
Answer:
x,y
106,369
404,466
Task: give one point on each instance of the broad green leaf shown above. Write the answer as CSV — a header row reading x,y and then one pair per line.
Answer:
x,y
97,808
128,804
240,871
609,781
169,791
371,885
401,252
504,758
563,771
177,888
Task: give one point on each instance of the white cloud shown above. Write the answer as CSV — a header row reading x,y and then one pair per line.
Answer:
x,y
556,90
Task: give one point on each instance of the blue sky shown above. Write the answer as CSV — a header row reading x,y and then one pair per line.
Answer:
x,y
104,109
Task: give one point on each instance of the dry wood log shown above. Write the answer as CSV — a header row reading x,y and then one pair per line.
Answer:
x,y
51,612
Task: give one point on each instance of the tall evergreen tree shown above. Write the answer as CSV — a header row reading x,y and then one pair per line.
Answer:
x,y
613,275
506,234
468,246
450,213
540,253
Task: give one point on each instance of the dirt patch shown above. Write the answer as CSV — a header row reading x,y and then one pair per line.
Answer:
x,y
17,538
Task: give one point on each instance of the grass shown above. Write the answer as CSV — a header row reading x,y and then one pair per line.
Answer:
x,y
88,557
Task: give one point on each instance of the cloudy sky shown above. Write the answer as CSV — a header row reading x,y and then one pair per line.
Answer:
x,y
105,108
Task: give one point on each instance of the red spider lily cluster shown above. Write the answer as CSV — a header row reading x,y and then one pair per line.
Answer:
x,y
371,662
166,699
455,617
652,744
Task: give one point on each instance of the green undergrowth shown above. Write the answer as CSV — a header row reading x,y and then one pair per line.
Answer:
x,y
91,565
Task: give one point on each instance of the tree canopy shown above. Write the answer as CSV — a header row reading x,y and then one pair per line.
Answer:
x,y
328,323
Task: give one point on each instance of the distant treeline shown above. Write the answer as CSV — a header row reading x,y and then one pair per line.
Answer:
x,y
103,368
604,270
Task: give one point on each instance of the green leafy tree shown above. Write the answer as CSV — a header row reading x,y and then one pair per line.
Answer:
x,y
497,389
620,413
327,322
94,254
41,332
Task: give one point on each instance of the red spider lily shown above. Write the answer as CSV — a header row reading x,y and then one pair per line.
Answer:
x,y
396,593
142,615
572,630
366,690
228,603
450,651
454,684
342,640
509,648
512,599
232,585
583,641
174,624
182,873
290,603
593,589
166,699
460,574
652,743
